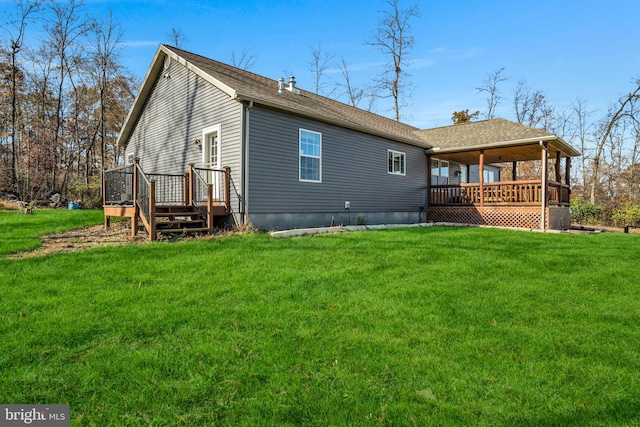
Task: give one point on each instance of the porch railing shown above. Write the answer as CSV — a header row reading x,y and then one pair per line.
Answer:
x,y
507,193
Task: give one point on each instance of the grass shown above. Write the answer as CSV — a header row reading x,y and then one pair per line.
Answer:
x,y
425,326
20,232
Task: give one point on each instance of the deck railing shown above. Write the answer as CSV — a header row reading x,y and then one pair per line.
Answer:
x,y
118,186
206,189
145,200
506,193
170,188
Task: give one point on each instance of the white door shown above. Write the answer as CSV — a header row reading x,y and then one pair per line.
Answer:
x,y
211,157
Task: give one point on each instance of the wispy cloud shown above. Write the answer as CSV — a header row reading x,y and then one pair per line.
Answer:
x,y
140,43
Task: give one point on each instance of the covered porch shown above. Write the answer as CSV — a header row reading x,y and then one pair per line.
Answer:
x,y
537,198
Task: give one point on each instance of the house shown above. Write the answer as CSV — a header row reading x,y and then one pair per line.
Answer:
x,y
207,144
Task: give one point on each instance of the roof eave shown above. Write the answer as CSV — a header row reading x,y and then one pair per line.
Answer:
x,y
561,144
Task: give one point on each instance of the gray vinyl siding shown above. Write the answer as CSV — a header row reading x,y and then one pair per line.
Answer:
x,y
354,169
176,112
474,172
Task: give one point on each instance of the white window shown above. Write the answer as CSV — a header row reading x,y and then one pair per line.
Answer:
x,y
130,159
397,162
439,172
463,174
310,156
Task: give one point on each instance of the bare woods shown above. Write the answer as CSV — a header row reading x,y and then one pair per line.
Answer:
x,y
64,95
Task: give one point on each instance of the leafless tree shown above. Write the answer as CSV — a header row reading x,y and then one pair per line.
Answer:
x,y
393,39
245,60
582,130
491,86
65,31
531,107
106,41
354,94
623,109
177,37
319,66
18,24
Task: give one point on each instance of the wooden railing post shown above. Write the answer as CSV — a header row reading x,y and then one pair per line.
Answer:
x,y
191,184
481,177
185,189
210,207
107,218
152,211
227,188
134,191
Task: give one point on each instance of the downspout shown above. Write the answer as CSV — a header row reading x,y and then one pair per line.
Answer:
x,y
244,176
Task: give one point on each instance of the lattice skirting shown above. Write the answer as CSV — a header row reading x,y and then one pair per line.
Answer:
x,y
558,218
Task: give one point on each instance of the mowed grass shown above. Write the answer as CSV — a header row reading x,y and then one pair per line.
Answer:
x,y
421,326
20,232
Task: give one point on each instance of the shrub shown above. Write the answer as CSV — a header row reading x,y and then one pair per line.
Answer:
x,y
584,212
627,214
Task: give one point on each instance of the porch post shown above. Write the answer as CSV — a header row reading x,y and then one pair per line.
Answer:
x,y
429,195
152,210
136,208
558,171
567,173
481,177
545,179
514,171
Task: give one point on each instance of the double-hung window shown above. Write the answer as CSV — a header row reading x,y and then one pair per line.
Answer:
x,y
397,162
439,172
310,156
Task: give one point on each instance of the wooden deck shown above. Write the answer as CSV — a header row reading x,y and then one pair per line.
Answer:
x,y
166,203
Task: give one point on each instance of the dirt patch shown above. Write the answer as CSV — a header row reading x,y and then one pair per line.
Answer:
x,y
83,238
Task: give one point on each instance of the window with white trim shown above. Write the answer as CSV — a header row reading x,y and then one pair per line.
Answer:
x,y
397,162
439,172
310,156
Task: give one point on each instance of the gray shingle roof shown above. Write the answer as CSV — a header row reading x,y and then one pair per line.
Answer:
x,y
249,86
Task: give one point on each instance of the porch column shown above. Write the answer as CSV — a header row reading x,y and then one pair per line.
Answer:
x,y
481,177
567,173
428,181
558,171
514,171
545,182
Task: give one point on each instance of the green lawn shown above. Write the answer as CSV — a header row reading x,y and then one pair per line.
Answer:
x,y
421,326
20,232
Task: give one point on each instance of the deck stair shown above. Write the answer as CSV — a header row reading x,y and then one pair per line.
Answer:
x,y
179,219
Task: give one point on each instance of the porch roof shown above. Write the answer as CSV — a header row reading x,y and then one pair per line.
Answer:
x,y
502,141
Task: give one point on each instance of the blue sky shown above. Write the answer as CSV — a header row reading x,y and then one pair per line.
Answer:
x,y
567,49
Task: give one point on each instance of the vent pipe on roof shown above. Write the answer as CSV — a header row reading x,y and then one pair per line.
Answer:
x,y
291,87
